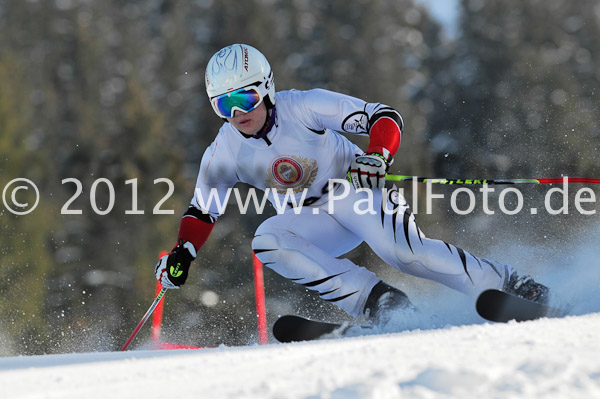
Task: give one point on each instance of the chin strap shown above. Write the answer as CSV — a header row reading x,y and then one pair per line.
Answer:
x,y
269,123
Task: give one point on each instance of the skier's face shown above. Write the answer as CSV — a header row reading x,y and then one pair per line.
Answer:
x,y
250,122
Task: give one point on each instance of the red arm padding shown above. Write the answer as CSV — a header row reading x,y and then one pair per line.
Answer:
x,y
195,231
385,137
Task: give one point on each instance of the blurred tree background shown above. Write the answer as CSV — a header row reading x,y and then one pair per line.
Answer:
x,y
112,89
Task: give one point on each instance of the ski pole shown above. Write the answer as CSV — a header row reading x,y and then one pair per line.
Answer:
x,y
403,178
146,316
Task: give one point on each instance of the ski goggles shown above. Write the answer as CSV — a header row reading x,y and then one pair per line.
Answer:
x,y
245,100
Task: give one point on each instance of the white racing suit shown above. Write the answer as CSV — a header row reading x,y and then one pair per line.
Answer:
x,y
299,157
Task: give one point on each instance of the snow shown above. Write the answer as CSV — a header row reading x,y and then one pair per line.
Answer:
x,y
547,358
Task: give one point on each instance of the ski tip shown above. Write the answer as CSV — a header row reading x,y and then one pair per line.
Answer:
x,y
290,328
485,306
501,306
490,292
285,328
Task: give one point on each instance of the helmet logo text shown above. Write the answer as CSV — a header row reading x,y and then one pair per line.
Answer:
x,y
246,58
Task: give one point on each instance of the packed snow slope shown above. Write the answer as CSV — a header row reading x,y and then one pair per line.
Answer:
x,y
444,351
547,358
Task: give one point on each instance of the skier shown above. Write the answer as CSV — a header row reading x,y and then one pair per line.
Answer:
x,y
288,143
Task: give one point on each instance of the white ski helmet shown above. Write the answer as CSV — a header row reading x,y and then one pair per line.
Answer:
x,y
244,74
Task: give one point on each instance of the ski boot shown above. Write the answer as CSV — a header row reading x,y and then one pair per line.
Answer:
x,y
526,287
383,301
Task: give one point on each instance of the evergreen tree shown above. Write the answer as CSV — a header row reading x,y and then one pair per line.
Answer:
x,y
518,97
25,256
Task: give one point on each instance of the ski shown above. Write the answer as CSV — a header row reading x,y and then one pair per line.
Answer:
x,y
290,328
501,306
492,305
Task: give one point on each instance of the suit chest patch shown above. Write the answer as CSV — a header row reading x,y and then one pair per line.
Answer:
x,y
291,171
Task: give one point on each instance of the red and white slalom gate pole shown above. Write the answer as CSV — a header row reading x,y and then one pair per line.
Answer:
x,y
158,313
157,317
261,308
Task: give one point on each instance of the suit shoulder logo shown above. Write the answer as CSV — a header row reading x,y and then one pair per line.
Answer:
x,y
357,122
